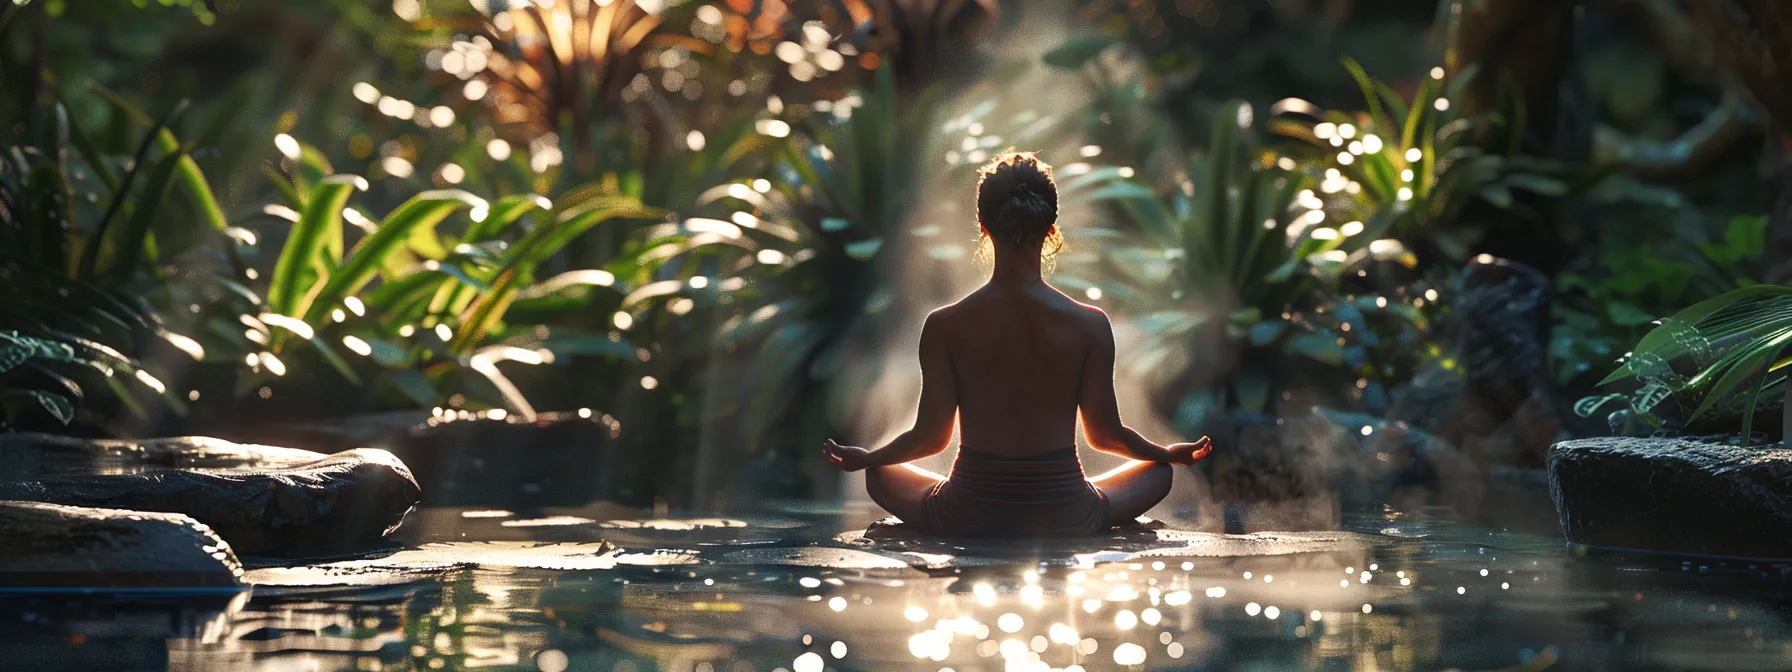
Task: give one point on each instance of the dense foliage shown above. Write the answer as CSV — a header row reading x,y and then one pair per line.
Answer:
x,y
690,210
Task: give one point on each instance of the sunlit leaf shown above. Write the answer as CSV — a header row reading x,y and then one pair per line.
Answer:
x,y
1319,346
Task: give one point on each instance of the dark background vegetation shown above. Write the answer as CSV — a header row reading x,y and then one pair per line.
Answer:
x,y
711,225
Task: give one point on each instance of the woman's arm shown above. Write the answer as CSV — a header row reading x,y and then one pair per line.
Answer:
x,y
1101,409
933,420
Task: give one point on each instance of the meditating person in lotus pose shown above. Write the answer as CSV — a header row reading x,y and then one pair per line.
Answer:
x,y
1014,363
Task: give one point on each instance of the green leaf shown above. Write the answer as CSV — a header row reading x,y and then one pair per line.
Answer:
x,y
58,405
1252,387
1266,332
1626,314
199,191
90,256
416,386
423,210
1663,335
1320,346
387,354
1120,190
96,160
1736,369
864,250
1076,52
1376,113
503,214
1498,195
13,353
1743,238
1537,183
297,273
121,252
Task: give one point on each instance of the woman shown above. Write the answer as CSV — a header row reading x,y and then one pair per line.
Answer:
x,y
1014,363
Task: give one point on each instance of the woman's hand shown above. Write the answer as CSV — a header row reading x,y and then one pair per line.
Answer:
x,y
1188,453
846,458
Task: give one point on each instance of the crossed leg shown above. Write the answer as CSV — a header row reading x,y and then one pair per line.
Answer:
x,y
1133,488
899,489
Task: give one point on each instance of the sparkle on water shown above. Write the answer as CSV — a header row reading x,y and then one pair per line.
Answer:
x,y
797,589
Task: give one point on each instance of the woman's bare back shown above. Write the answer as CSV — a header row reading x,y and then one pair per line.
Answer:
x,y
1015,365
1018,356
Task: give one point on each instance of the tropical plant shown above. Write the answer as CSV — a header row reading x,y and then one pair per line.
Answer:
x,y
1717,361
1406,168
1629,284
84,237
574,70
441,298
920,41
853,175
1123,121
1201,55
1256,284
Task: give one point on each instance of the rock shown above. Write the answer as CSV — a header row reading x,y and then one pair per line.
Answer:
x,y
559,459
1258,460
378,430
1490,395
1674,495
29,455
52,546
1265,473
330,503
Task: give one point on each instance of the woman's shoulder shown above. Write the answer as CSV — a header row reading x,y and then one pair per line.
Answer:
x,y
967,308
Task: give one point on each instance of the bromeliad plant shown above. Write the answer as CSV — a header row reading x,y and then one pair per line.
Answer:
x,y
1706,368
1258,282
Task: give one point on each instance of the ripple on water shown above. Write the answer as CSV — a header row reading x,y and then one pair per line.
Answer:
x,y
429,560
816,556
1124,545
657,558
550,521
689,532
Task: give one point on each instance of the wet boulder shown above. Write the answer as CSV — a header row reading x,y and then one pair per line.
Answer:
x,y
1674,495
52,546
327,504
29,455
1490,394
1261,459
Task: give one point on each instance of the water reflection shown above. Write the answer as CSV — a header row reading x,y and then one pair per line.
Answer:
x,y
793,593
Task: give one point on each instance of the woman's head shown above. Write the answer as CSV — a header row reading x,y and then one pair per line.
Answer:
x,y
1017,202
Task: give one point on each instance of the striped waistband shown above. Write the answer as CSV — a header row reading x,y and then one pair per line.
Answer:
x,y
1052,475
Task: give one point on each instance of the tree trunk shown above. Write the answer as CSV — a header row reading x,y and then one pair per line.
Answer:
x,y
1778,252
1754,38
1529,41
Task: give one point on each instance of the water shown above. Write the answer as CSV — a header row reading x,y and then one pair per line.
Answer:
x,y
796,587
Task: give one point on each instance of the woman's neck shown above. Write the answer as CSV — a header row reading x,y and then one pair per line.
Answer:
x,y
1016,268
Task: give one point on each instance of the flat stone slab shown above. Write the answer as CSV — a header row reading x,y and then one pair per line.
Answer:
x,y
329,503
48,546
1674,496
1147,539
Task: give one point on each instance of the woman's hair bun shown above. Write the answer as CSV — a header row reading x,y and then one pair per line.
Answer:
x,y
1017,202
